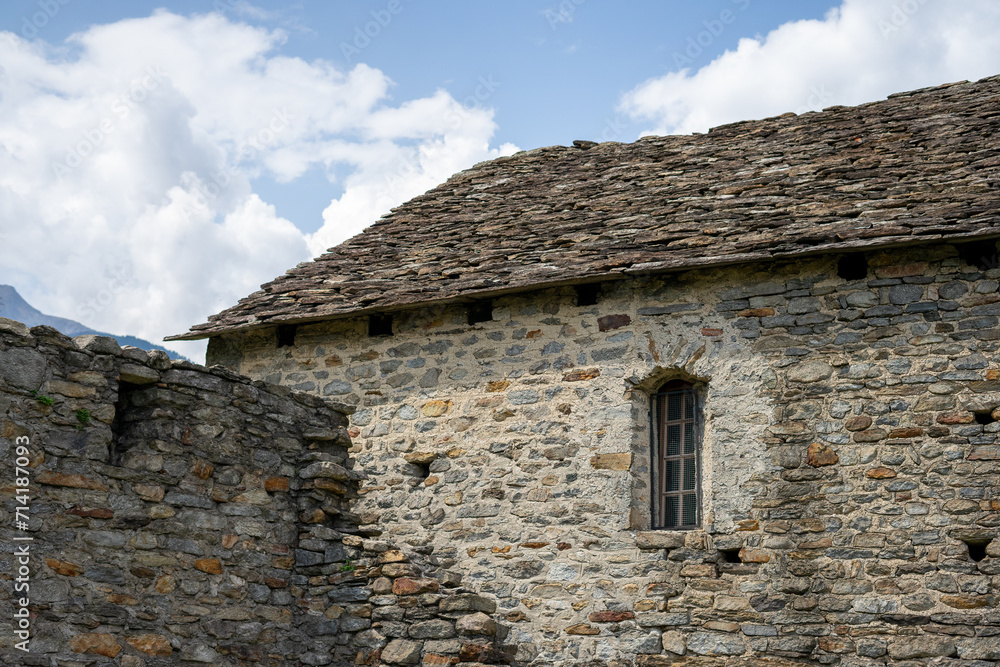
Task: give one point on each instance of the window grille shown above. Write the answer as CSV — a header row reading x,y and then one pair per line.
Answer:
x,y
676,445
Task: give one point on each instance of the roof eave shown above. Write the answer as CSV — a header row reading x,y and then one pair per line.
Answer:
x,y
657,268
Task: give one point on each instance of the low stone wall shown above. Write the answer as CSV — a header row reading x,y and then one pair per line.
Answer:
x,y
182,515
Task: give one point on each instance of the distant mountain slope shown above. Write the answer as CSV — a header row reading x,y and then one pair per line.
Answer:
x,y
14,307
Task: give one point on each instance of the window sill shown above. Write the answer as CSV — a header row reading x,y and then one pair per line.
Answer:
x,y
669,539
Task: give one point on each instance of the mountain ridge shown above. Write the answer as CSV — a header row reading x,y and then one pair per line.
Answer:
x,y
14,307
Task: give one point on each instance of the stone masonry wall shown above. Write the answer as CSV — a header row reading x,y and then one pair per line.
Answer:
x,y
850,458
184,515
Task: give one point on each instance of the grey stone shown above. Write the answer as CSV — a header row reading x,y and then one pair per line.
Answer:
x,y
23,368
715,643
433,629
921,647
810,371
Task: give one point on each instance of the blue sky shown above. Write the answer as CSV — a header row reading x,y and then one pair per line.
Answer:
x,y
553,71
158,161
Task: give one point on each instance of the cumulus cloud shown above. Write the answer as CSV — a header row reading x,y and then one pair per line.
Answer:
x,y
859,52
127,159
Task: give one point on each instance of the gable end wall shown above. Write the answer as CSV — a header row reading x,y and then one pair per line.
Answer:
x,y
842,458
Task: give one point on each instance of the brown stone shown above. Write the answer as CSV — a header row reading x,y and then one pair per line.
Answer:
x,y
858,423
229,541
435,408
582,629
582,374
836,645
747,524
968,601
871,435
610,322
166,584
699,570
534,545
822,543
821,455
392,556
420,458
909,432
956,418
331,485
202,469
150,492
9,429
711,332
881,473
273,484
283,562
151,644
610,616
611,461
100,643
481,654
757,312
119,598
74,481
407,586
65,568
313,516
748,555
497,385
985,453
476,623
209,565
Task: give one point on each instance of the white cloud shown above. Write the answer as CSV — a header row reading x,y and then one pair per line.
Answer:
x,y
126,159
860,52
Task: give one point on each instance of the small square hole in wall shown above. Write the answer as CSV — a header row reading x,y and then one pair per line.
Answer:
x,y
980,254
730,555
853,266
380,324
586,295
984,417
977,550
286,335
480,311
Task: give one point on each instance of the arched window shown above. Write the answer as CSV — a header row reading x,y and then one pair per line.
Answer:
x,y
676,464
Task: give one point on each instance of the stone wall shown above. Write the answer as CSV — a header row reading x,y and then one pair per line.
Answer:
x,y
184,515
850,461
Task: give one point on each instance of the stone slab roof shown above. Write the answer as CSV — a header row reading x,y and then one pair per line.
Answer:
x,y
916,167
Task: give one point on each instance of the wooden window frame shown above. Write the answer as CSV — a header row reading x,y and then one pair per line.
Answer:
x,y
688,428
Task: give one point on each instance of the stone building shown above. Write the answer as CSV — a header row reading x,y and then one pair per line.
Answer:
x,y
691,400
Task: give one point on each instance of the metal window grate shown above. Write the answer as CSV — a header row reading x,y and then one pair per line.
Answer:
x,y
676,503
